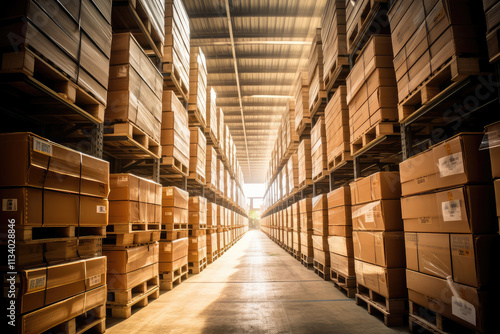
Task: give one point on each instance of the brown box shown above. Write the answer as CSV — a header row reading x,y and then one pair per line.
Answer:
x,y
456,161
341,245
342,265
340,230
129,187
173,196
381,185
321,256
320,242
197,204
388,282
467,209
198,242
381,248
382,215
171,251
199,254
493,134
130,279
339,197
121,261
340,215
173,215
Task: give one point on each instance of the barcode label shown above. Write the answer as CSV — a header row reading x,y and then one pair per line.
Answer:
x,y
9,204
96,279
101,209
369,217
42,146
36,283
451,165
451,211
168,213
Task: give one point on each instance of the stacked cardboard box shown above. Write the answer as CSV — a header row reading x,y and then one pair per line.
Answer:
x,y
197,215
174,210
293,173
284,182
227,143
305,164
175,134
296,230
220,177
212,210
306,231
318,149
291,139
197,257
357,15
135,87
320,236
493,136
211,168
289,229
197,160
333,36
451,231
212,247
337,129
177,45
221,126
212,123
173,262
492,12
197,89
372,93
426,36
340,240
76,42
227,187
317,93
302,112
377,233
221,224
49,191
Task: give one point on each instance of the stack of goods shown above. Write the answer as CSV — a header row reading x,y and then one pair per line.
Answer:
x,y
317,93
340,240
492,133
173,242
337,129
296,230
197,89
175,134
227,182
306,231
211,169
333,36
212,209
227,147
358,14
321,252
378,242
284,182
220,177
197,215
76,42
428,37
372,93
197,256
211,130
134,211
176,51
227,220
197,159
451,232
212,235
302,115
135,89
220,131
293,173
291,139
305,164
221,223
289,229
492,11
50,192
318,150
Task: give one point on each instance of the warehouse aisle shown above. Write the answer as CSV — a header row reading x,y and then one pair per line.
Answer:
x,y
256,287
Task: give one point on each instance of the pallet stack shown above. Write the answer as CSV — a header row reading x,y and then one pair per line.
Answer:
x,y
306,232
356,16
197,159
175,67
220,133
220,177
197,256
372,94
302,112
212,122
492,12
197,89
342,271
296,231
317,93
289,230
305,164
175,135
379,246
451,234
318,150
337,129
291,139
321,251
173,243
221,223
55,205
334,43
293,173
212,233
211,169
134,93
434,45
492,132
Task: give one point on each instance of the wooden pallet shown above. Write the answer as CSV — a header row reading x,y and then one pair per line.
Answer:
x,y
196,230
304,127
346,284
92,321
339,160
197,177
211,187
304,184
317,108
211,257
449,75
198,266
25,70
321,270
127,141
337,74
173,81
195,119
393,311
211,138
173,227
493,41
423,320
170,279
132,227
370,8
373,133
324,173
307,261
136,238
121,301
174,235
174,166
33,234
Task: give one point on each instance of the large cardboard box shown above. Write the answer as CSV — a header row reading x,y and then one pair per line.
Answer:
x,y
340,230
382,215
454,162
173,215
388,282
121,261
381,248
343,265
197,242
170,251
468,209
339,197
129,280
493,135
173,196
129,187
340,215
341,245
381,185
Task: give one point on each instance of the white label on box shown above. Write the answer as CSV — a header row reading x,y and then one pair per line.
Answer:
x,y
168,213
101,209
463,309
168,247
36,283
96,279
42,146
369,217
451,165
9,204
451,211
194,241
169,192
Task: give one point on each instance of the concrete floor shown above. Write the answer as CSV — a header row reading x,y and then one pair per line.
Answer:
x,y
256,287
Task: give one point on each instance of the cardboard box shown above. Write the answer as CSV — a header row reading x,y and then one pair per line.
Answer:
x,y
131,279
198,242
320,222
381,248
382,215
322,256
339,197
129,187
381,185
342,265
454,162
121,261
320,242
172,215
468,209
319,203
493,135
199,254
170,251
340,215
388,282
340,230
173,196
341,246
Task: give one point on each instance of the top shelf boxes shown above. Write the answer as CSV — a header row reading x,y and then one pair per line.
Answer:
x,y
198,89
